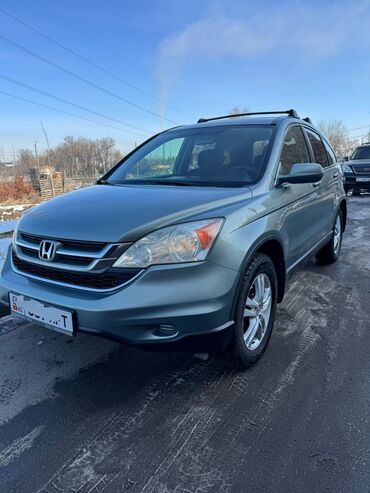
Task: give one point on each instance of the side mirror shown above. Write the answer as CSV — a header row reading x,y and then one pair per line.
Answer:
x,y
302,173
346,158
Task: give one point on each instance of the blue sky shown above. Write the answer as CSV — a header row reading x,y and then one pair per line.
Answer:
x,y
200,57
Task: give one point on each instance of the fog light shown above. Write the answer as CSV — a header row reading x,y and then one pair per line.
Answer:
x,y
165,331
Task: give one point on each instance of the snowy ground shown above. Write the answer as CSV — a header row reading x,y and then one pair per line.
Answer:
x,y
6,228
8,212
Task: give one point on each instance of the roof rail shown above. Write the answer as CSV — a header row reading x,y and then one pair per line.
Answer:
x,y
291,112
307,119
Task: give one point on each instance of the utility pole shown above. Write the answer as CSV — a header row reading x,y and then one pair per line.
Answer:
x,y
47,142
48,157
37,155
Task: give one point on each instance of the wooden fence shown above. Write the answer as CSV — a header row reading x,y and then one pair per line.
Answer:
x,y
54,184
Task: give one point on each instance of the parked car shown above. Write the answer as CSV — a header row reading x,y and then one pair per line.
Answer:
x,y
188,242
357,170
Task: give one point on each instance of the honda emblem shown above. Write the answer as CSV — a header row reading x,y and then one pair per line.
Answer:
x,y
47,250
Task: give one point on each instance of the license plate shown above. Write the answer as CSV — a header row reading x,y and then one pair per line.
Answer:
x,y
50,316
363,178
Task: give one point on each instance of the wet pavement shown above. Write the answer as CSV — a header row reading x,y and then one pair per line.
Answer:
x,y
89,415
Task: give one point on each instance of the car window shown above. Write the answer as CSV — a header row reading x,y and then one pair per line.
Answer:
x,y
318,149
233,151
329,151
200,145
294,150
159,162
361,153
202,156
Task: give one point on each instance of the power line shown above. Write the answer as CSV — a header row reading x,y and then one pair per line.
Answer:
x,y
75,105
358,128
106,47
65,112
88,36
90,62
78,77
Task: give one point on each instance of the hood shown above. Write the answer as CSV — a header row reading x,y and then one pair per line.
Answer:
x,y
125,213
360,163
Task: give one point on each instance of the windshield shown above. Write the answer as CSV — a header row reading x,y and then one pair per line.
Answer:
x,y
361,153
211,156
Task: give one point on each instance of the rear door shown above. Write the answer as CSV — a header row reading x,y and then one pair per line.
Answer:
x,y
327,186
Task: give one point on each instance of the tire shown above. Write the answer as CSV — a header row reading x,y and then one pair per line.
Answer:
x,y
244,351
331,251
356,193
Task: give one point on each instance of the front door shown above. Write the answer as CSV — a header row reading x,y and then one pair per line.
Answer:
x,y
300,215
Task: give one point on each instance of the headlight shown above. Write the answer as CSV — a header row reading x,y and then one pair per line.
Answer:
x,y
347,169
187,242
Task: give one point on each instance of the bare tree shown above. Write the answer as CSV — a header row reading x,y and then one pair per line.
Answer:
x,y
25,160
338,135
85,157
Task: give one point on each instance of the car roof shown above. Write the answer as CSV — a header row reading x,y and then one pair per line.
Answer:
x,y
244,121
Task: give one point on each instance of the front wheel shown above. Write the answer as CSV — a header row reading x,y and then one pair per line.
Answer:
x,y
330,252
254,314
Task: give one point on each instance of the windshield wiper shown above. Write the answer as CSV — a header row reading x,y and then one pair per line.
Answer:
x,y
103,181
161,182
176,183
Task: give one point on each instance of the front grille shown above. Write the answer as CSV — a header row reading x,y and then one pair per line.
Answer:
x,y
109,279
70,254
84,246
362,170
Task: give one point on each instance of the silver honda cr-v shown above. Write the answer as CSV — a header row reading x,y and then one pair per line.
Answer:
x,y
188,242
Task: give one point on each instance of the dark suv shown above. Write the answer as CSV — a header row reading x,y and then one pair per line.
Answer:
x,y
357,170
188,242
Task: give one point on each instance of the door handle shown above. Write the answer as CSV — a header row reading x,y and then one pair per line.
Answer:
x,y
335,175
315,185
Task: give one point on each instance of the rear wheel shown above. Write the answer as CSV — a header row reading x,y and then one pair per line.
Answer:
x,y
330,252
254,313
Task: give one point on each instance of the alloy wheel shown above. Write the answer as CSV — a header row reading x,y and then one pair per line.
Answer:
x,y
257,311
337,235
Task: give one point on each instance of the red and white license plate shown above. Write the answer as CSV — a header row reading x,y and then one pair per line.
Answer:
x,y
52,317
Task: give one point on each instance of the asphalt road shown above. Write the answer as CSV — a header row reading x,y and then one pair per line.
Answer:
x,y
90,415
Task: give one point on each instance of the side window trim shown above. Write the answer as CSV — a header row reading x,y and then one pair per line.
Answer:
x,y
312,154
309,146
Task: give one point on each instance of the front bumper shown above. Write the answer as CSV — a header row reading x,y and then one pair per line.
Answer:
x,y
186,306
351,182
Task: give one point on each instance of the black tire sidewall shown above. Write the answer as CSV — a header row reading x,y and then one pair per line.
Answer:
x,y
259,264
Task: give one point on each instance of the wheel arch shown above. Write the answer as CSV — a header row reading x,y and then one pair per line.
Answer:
x,y
272,246
273,249
343,208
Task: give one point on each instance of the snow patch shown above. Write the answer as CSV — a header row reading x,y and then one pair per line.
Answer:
x,y
20,445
